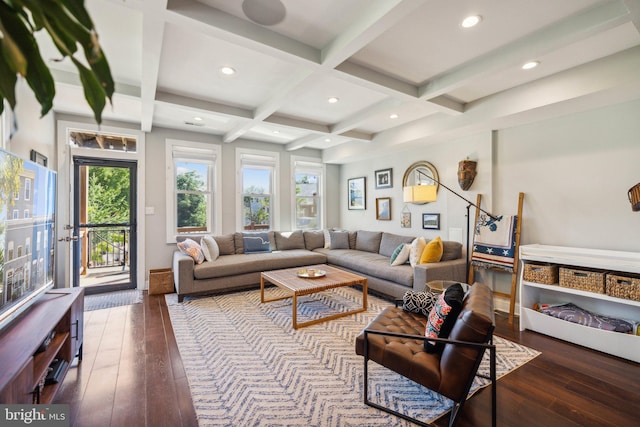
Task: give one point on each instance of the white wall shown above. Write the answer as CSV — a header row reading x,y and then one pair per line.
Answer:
x,y
575,172
452,209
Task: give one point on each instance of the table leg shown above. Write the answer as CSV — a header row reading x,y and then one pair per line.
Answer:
x,y
295,311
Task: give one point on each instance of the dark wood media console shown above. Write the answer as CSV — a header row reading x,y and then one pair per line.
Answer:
x,y
23,368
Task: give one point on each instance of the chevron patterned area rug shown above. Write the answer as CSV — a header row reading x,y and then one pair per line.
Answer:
x,y
247,366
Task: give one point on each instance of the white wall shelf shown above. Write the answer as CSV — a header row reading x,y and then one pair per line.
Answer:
x,y
618,344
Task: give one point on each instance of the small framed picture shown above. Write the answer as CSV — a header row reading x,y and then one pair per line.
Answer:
x,y
38,158
405,221
431,221
384,178
383,208
357,188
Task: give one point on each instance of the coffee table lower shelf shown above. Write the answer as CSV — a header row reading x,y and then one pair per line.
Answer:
x,y
288,280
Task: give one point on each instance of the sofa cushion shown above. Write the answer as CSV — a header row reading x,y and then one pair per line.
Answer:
x,y
417,246
210,248
287,241
443,316
370,264
256,242
192,248
313,239
432,251
368,241
339,240
390,242
451,251
232,265
226,244
400,255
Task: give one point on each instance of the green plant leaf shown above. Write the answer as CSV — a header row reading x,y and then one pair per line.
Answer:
x,y
77,10
7,83
37,74
93,91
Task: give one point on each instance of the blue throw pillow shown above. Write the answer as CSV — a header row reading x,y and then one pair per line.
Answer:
x,y
256,242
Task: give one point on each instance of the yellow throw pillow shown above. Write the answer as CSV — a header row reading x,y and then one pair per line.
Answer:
x,y
432,252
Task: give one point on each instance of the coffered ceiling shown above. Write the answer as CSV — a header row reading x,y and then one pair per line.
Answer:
x,y
404,72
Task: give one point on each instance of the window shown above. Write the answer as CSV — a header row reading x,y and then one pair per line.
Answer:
x,y
27,189
192,200
258,190
16,214
26,213
308,185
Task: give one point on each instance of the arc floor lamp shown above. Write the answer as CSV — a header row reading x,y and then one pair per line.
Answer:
x,y
422,193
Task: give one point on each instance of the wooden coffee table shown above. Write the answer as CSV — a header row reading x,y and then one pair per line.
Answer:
x,y
288,280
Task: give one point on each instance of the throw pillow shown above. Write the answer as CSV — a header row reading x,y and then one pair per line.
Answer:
x,y
210,248
289,240
419,302
256,242
417,246
443,316
193,249
327,239
400,255
432,252
339,240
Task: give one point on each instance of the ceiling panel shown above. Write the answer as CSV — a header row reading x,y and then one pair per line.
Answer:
x,y
191,62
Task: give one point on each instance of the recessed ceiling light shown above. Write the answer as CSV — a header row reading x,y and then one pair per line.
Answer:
x,y
471,21
531,64
327,140
197,119
393,116
227,71
276,132
333,100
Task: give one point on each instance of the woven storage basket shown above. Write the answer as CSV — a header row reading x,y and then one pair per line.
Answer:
x,y
546,274
623,287
584,280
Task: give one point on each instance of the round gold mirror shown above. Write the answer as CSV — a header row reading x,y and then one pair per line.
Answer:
x,y
421,173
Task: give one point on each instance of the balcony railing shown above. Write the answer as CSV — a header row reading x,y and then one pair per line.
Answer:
x,y
107,247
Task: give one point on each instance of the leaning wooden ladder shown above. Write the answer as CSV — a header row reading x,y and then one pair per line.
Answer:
x,y
514,274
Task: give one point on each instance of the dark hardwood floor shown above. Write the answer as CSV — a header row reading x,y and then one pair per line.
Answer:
x,y
132,375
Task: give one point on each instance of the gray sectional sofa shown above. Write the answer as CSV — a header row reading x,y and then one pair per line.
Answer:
x,y
367,253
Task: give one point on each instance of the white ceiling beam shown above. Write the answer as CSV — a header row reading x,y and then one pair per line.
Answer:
x,y
377,18
634,11
365,114
563,33
302,142
593,85
152,36
198,105
196,16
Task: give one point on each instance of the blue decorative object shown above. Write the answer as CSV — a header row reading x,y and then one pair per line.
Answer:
x,y
256,242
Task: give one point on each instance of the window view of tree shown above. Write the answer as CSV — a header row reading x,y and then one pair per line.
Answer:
x,y
257,198
192,186
108,195
306,201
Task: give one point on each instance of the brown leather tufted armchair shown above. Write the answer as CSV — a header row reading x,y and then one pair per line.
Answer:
x,y
395,339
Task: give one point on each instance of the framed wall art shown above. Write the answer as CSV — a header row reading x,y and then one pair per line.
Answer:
x,y
431,221
384,178
357,191
383,208
405,220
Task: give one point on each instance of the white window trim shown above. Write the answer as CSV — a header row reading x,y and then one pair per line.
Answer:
x,y
212,150
321,189
275,190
